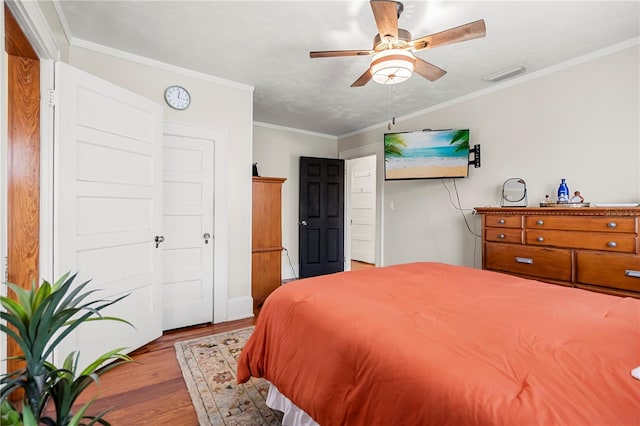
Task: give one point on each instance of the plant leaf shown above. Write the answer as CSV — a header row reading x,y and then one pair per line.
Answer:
x,y
28,418
38,320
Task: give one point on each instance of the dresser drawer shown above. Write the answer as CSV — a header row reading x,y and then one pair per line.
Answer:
x,y
608,270
614,242
505,235
546,263
505,221
597,224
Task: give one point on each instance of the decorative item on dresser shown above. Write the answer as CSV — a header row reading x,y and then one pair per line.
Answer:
x,y
592,248
266,246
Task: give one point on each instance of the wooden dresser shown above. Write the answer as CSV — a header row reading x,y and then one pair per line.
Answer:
x,y
592,248
266,234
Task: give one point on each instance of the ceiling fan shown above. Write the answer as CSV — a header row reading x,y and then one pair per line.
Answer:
x,y
393,59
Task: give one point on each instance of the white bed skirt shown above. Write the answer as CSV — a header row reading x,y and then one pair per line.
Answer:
x,y
293,416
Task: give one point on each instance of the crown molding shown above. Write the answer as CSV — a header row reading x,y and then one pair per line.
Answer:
x,y
509,83
291,129
143,60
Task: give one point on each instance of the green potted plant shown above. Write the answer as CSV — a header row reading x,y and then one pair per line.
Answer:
x,y
38,320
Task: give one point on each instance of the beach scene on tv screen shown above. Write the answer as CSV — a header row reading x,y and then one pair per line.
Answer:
x,y
426,154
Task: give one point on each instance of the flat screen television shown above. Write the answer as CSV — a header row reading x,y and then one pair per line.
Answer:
x,y
426,154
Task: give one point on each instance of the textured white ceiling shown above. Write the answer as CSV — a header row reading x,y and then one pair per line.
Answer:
x,y
266,44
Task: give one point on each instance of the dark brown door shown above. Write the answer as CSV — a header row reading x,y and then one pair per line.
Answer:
x,y
321,221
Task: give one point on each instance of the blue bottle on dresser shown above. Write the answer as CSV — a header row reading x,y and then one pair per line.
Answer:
x,y
563,192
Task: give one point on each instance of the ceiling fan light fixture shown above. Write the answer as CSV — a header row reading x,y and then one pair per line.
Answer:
x,y
392,66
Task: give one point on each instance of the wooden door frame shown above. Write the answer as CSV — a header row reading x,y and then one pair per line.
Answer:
x,y
37,31
23,155
23,164
30,39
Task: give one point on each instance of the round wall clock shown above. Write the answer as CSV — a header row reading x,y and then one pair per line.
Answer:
x,y
177,97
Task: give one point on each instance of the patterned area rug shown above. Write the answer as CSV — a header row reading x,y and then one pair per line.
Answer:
x,y
209,368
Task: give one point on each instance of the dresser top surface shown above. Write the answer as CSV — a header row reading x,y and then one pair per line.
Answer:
x,y
561,211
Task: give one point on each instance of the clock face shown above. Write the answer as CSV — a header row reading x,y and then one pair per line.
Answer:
x,y
177,97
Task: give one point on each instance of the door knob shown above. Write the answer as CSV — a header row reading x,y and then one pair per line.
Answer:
x,y
206,237
158,239
303,223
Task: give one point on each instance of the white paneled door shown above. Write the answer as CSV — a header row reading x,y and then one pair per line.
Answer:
x,y
107,206
187,250
363,209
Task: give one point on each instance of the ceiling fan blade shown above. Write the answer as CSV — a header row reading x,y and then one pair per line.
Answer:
x,y
428,71
386,16
363,79
337,53
464,32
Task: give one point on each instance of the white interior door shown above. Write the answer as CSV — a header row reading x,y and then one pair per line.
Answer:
x,y
187,250
363,209
107,195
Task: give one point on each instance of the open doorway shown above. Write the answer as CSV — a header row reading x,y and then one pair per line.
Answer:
x,y
361,212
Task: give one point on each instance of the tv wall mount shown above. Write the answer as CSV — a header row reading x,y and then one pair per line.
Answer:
x,y
475,161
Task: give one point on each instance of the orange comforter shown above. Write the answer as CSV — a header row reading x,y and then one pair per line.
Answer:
x,y
428,343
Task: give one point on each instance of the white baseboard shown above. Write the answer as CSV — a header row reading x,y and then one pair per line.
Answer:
x,y
239,308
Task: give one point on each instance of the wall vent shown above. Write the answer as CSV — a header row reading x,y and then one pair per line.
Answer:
x,y
504,74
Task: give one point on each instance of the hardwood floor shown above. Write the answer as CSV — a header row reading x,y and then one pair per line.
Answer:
x,y
357,265
151,391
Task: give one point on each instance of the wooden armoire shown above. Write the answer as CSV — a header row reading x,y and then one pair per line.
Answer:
x,y
266,246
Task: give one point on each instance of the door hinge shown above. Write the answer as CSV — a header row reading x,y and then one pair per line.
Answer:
x,y
52,97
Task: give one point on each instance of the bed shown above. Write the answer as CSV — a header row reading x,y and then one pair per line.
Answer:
x,y
430,343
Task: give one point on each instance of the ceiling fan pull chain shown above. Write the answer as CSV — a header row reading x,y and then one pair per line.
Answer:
x,y
392,118
389,109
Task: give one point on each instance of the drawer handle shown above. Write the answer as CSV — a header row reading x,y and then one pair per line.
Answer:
x,y
540,239
502,222
540,222
612,225
631,273
501,236
612,244
526,260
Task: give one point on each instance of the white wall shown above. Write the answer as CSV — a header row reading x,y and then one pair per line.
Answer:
x,y
214,105
580,122
277,150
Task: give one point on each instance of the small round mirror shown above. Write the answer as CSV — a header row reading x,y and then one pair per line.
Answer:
x,y
514,193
